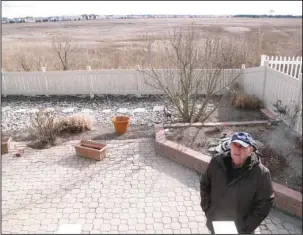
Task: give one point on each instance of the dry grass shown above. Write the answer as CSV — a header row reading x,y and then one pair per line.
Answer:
x,y
273,160
75,124
244,101
46,126
117,44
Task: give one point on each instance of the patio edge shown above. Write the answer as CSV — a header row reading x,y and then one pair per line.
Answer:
x,y
286,199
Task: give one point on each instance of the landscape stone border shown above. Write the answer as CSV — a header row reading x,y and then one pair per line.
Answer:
x,y
286,199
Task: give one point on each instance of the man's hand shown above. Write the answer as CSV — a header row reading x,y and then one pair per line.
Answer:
x,y
262,204
205,186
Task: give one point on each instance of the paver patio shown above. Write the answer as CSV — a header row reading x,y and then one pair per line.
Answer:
x,y
132,190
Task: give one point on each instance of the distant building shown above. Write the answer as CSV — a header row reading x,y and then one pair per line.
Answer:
x,y
29,19
100,17
18,20
92,17
76,17
5,20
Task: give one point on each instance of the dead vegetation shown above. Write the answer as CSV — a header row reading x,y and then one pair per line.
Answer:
x,y
105,51
46,127
76,124
273,160
243,100
194,65
26,61
64,50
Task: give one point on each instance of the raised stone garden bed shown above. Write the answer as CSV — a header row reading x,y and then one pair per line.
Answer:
x,y
287,199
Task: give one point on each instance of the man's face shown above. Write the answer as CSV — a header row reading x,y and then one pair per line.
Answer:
x,y
239,154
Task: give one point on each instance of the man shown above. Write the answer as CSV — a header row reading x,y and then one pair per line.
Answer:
x,y
237,187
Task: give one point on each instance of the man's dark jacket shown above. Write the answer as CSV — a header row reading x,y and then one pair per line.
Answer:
x,y
244,197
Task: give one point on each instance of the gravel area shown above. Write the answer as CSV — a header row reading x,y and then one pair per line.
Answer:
x,y
18,111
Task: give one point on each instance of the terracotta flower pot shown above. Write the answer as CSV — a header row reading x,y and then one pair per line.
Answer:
x,y
121,124
91,150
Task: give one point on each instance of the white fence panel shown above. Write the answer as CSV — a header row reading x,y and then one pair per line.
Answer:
x,y
126,81
121,82
271,85
280,86
253,81
67,83
291,66
23,83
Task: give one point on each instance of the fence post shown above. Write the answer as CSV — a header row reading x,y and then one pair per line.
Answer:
x,y
42,69
263,59
3,83
88,69
264,80
139,78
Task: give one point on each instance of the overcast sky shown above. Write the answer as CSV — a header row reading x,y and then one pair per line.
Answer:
x,y
57,8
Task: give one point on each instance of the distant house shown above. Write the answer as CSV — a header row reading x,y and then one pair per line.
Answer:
x,y
91,17
52,19
18,20
64,18
5,20
100,17
39,19
84,17
76,17
29,19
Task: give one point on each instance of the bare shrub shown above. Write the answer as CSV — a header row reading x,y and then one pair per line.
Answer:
x,y
245,101
75,124
65,50
293,113
194,65
273,160
45,127
26,61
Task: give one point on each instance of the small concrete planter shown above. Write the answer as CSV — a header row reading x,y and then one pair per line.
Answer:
x,y
5,144
90,149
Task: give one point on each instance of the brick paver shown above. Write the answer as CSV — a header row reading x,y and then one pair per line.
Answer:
x,y
132,190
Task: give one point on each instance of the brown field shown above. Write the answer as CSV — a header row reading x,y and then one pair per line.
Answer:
x,y
106,44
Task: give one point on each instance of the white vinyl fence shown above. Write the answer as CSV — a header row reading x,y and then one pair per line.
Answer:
x,y
268,83
122,82
291,66
271,85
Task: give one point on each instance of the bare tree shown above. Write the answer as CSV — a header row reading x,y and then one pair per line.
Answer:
x,y
65,50
195,66
41,61
26,61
